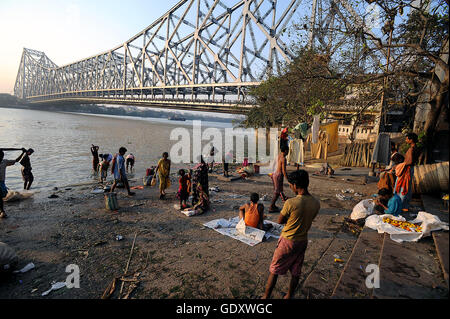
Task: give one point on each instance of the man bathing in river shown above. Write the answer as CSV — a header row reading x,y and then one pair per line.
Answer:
x,y
95,160
130,161
278,179
118,169
3,189
27,175
298,214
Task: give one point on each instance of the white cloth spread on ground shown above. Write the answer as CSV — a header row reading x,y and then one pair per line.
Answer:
x,y
428,222
247,235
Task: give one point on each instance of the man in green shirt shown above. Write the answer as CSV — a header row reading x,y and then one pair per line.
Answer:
x,y
298,214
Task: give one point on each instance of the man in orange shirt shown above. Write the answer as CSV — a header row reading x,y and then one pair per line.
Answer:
x,y
252,213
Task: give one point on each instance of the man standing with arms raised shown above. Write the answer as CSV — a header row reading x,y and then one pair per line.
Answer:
x,y
298,214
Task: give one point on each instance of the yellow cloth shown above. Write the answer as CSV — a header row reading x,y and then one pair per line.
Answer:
x,y
164,172
300,212
333,136
319,150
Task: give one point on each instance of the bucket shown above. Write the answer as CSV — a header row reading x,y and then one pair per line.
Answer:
x,y
431,178
111,201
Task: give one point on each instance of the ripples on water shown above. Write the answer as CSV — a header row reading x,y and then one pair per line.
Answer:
x,y
62,143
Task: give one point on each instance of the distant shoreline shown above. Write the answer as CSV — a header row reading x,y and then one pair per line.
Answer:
x,y
125,110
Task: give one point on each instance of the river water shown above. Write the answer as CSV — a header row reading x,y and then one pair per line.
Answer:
x,y
62,143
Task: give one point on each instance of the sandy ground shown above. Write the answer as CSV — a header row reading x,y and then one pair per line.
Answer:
x,y
174,256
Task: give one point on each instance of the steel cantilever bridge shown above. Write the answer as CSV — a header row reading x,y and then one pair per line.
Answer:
x,y
201,54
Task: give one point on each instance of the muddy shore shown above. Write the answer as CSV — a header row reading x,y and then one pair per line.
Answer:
x,y
174,256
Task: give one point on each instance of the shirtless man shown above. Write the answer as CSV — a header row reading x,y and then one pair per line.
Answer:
x,y
27,175
278,179
130,161
95,160
3,189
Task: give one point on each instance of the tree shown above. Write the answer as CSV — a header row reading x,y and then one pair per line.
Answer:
x,y
398,62
306,85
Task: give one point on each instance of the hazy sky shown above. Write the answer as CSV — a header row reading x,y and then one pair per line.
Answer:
x,y
69,30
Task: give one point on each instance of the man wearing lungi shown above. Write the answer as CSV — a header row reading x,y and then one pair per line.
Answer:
x,y
298,214
278,179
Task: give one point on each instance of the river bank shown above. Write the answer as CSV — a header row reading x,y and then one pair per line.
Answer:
x,y
175,256
184,259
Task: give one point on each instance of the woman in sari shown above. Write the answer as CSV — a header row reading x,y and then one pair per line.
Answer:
x,y
405,172
163,170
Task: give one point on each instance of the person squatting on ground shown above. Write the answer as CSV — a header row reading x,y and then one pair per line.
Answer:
x,y
278,179
118,169
163,170
203,204
183,193
3,189
387,176
298,214
27,175
394,202
253,213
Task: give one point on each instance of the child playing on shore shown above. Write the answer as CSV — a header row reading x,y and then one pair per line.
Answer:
x,y
183,193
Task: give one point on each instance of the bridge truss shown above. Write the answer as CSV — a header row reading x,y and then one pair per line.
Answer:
x,y
200,54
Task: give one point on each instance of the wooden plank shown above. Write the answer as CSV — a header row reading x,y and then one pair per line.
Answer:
x,y
441,242
352,283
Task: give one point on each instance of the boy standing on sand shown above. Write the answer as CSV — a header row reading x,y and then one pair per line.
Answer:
x,y
298,214
118,168
3,189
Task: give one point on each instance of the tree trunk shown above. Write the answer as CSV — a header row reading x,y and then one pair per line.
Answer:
x,y
432,120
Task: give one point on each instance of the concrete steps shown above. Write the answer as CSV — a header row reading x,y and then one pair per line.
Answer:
x,y
321,281
441,242
409,271
436,207
352,282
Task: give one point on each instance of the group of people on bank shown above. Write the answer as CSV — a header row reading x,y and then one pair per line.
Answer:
x,y
395,184
27,175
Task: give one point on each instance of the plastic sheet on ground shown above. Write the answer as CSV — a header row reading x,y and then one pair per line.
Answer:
x,y
363,209
428,223
55,286
249,235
